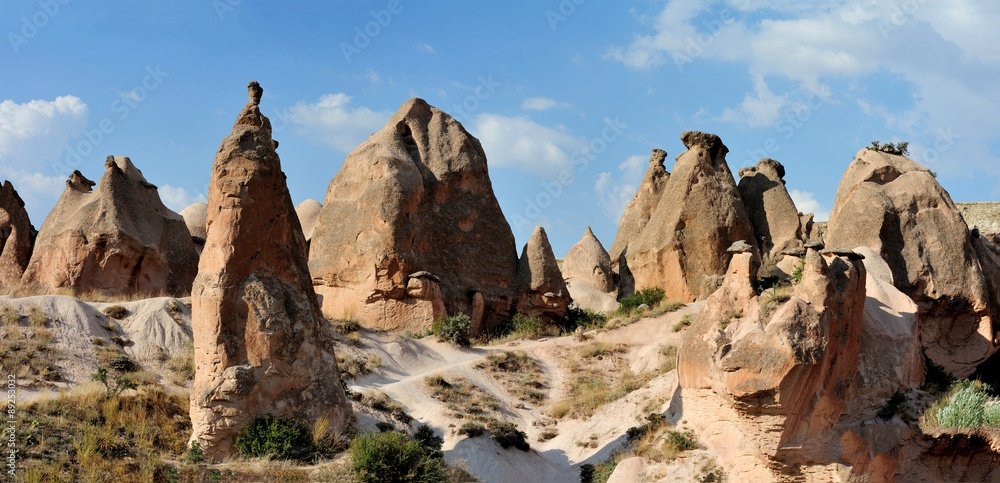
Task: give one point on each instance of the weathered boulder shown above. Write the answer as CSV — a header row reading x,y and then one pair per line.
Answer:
x,y
17,238
540,282
262,346
118,240
682,247
776,222
896,207
589,278
416,196
640,209
308,213
196,217
776,368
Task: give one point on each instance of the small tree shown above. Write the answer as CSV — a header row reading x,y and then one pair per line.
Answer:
x,y
456,330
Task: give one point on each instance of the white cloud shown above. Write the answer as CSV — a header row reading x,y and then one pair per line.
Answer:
x,y
425,48
520,143
613,192
806,202
373,77
177,198
37,131
760,109
944,52
32,137
542,104
333,122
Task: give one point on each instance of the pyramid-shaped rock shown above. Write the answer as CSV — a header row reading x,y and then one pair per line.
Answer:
x,y
643,204
587,268
539,280
17,237
118,240
895,207
262,346
682,249
776,222
415,197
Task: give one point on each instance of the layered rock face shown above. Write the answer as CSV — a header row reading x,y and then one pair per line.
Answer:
x,y
119,240
540,282
777,224
415,197
698,216
897,208
589,277
643,204
17,237
262,346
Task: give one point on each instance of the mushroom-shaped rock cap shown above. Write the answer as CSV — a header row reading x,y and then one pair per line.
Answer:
x,y
255,91
740,246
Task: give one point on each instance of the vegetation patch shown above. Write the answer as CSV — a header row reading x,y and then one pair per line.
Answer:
x,y
655,441
395,457
967,404
353,366
592,385
270,437
29,354
480,410
116,312
519,374
456,330
682,324
182,366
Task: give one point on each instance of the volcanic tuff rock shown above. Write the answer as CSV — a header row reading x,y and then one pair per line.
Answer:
x,y
261,344
643,204
540,282
195,217
896,207
589,278
17,237
776,222
118,240
699,215
308,213
416,196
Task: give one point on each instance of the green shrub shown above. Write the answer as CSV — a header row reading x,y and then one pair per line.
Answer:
x,y
429,441
586,318
123,363
649,296
936,379
683,323
456,330
967,405
508,434
471,429
587,473
799,272
895,405
391,457
282,439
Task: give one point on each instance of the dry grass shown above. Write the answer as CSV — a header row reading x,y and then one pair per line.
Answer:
x,y
9,315
480,411
29,354
353,366
682,324
593,384
669,355
774,299
519,374
182,366
116,312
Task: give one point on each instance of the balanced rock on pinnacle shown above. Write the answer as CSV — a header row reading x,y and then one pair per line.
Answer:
x,y
262,346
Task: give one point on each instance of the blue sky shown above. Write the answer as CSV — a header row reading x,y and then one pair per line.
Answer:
x,y
550,87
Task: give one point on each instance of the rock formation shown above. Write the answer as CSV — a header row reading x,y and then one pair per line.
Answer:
x,y
415,197
195,217
540,282
261,344
308,213
118,240
681,249
589,278
778,226
17,238
895,207
643,204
